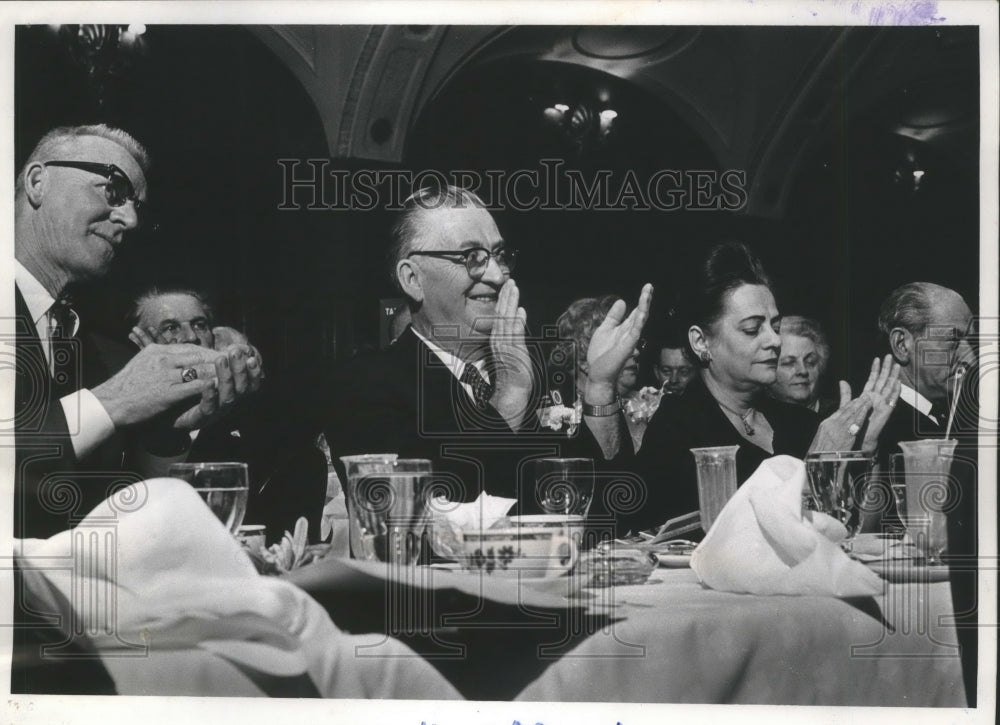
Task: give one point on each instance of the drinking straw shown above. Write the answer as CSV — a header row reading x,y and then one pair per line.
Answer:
x,y
959,374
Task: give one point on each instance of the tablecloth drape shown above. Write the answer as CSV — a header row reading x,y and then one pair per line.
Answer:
x,y
682,643
174,607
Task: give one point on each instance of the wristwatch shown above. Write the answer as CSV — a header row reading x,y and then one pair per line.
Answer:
x,y
603,411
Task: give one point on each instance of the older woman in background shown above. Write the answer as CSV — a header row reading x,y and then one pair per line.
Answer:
x,y
576,325
804,357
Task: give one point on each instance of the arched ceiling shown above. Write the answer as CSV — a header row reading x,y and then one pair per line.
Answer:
x,y
760,98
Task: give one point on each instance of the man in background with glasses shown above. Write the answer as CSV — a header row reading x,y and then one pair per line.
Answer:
x,y
927,328
930,331
459,385
79,194
288,473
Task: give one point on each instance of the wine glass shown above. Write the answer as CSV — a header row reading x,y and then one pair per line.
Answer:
x,y
837,482
223,486
563,486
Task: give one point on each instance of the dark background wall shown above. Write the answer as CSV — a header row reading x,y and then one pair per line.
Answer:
x,y
217,109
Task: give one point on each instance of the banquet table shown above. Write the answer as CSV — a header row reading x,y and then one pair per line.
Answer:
x,y
670,640
189,615
681,643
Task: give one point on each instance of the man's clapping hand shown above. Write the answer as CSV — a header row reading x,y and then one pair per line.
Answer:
x,y
223,337
151,383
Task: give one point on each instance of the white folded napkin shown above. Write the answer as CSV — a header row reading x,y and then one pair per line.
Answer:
x,y
176,582
481,514
447,519
762,544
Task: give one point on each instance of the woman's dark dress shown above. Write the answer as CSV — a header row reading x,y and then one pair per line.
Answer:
x,y
695,420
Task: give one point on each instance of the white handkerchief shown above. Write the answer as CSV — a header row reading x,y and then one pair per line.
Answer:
x,y
762,544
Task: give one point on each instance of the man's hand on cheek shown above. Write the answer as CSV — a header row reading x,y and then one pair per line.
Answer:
x,y
512,362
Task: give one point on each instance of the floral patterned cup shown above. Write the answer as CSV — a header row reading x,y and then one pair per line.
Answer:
x,y
531,553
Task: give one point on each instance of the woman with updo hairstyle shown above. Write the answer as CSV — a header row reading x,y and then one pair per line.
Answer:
x,y
733,324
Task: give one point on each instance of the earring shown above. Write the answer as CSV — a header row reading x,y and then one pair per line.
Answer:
x,y
706,356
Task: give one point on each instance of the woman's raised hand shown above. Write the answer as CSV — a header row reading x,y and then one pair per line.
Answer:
x,y
840,431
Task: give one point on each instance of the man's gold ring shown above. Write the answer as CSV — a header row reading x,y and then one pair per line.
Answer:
x,y
188,374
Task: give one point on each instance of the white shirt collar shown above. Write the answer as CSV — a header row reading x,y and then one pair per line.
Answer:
x,y
36,297
453,363
915,400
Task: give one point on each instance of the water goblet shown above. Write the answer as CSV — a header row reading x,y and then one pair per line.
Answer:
x,y
388,511
223,486
563,485
837,482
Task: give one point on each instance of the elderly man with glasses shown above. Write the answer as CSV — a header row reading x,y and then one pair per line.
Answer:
x,y
79,194
932,333
460,385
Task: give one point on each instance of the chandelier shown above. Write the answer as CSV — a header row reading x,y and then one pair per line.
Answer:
x,y
105,52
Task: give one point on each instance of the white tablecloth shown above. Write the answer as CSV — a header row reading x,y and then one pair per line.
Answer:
x,y
682,643
173,606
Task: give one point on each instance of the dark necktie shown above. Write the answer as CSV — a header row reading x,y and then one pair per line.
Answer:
x,y
482,391
61,320
62,353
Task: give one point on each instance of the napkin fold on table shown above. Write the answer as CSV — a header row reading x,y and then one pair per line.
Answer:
x,y
762,543
175,581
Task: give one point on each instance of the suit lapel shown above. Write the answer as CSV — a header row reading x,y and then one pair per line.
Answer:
x,y
914,425
24,326
33,379
443,406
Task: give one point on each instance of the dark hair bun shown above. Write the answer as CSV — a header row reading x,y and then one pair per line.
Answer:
x,y
728,266
732,262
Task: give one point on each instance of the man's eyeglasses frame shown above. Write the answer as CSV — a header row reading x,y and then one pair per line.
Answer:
x,y
119,188
475,260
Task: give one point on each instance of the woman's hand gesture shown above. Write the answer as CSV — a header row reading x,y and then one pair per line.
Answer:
x,y
839,432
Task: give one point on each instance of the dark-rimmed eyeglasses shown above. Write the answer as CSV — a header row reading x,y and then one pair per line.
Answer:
x,y
476,260
119,188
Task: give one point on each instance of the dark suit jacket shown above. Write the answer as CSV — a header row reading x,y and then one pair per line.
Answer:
x,y
405,400
694,420
52,489
287,471
907,424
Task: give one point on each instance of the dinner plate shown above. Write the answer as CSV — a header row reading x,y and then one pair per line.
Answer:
x,y
444,565
905,571
674,561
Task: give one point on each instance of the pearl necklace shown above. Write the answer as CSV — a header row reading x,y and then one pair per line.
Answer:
x,y
744,417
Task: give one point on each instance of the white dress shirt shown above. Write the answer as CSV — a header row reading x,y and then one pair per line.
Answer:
x,y
88,422
455,365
